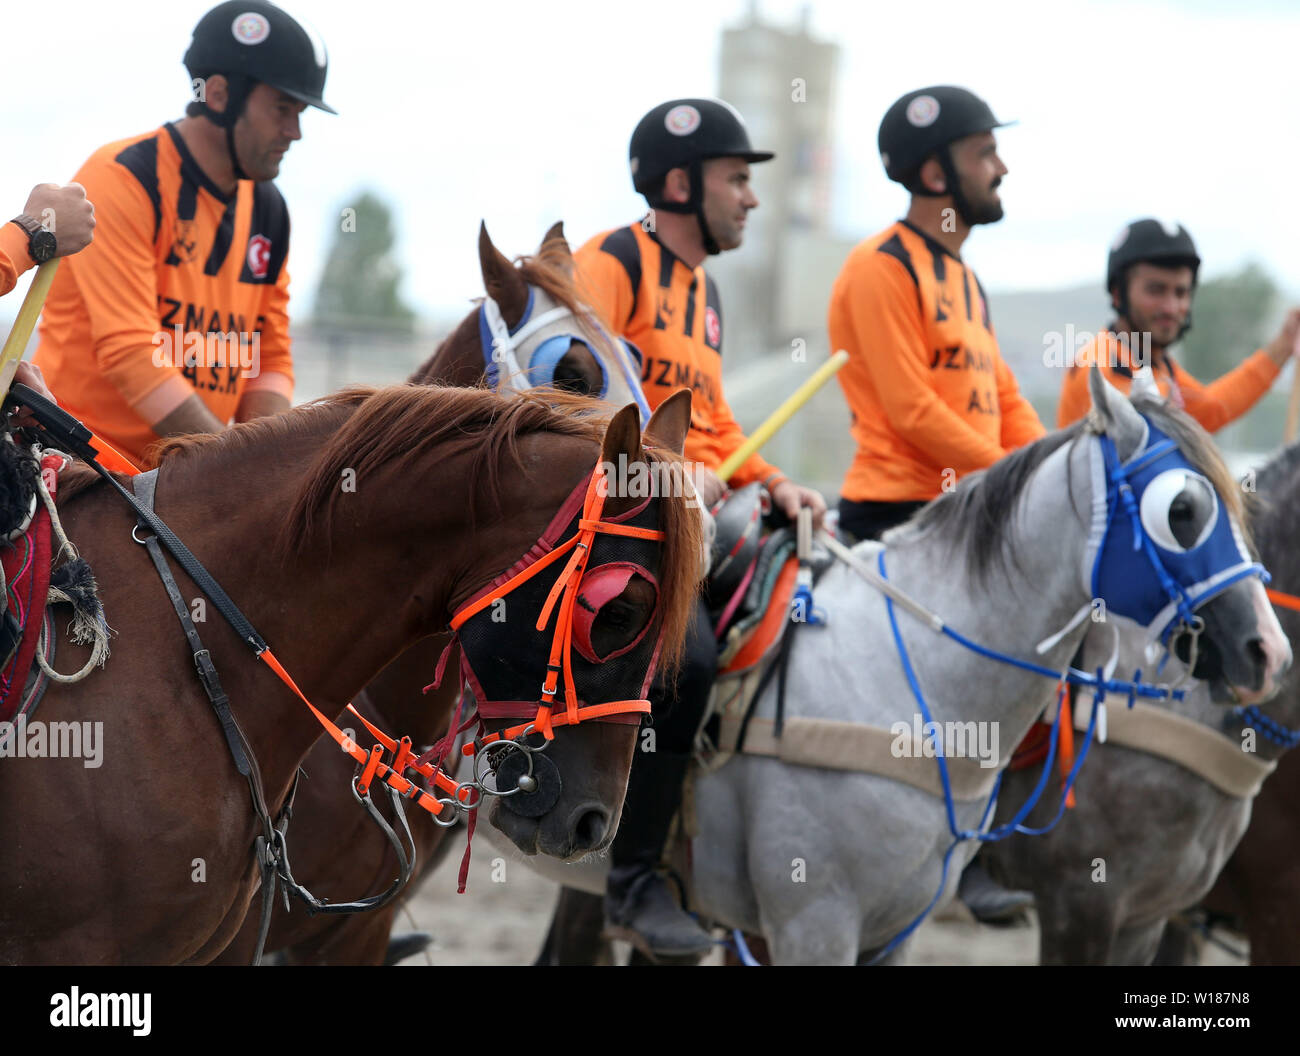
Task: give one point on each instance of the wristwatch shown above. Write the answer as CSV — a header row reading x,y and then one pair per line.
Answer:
x,y
41,243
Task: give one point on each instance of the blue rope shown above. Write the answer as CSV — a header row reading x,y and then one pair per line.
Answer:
x,y
742,949
1101,686
1274,731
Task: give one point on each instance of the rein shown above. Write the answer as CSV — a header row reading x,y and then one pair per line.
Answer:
x,y
1280,597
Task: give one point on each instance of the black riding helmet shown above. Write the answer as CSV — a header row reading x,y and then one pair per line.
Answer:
x,y
251,41
683,134
1149,241
924,123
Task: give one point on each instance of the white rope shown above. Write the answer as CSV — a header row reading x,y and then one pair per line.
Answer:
x,y
65,544
98,655
83,631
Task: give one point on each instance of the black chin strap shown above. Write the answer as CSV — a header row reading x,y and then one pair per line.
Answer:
x,y
694,204
237,92
959,199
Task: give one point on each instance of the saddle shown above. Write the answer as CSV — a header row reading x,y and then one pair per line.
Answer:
x,y
751,579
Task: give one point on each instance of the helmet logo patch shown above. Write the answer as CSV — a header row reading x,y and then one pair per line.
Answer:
x,y
923,111
682,120
250,28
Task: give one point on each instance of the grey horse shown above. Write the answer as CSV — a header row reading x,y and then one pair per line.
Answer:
x,y
1148,836
828,865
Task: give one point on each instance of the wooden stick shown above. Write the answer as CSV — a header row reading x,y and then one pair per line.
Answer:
x,y
782,414
30,311
1293,404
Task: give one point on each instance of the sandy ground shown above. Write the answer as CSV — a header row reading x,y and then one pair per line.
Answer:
x,y
503,916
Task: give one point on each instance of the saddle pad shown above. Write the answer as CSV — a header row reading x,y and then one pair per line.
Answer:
x,y
27,572
1032,748
747,646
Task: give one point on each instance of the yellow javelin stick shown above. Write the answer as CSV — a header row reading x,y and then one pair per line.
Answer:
x,y
783,414
16,344
1293,404
30,311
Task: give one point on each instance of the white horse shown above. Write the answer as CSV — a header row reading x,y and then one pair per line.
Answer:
x,y
829,865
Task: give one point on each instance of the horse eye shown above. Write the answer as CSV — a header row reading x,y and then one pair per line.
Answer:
x,y
613,611
1179,510
577,371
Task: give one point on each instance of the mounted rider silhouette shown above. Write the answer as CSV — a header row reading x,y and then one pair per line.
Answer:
x,y
1151,273
929,394
690,158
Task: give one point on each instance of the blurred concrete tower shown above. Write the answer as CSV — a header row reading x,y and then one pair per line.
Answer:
x,y
781,80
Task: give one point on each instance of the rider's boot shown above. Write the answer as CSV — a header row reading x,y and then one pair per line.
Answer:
x,y
639,904
988,901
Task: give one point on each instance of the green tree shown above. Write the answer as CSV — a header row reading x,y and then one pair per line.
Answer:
x,y
1229,315
359,285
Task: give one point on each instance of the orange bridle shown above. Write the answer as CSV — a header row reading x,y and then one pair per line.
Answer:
x,y
564,592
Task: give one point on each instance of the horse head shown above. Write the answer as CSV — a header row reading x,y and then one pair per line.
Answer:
x,y
532,329
559,778
1167,548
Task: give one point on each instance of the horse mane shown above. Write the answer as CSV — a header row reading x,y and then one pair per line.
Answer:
x,y
366,429
394,428
979,511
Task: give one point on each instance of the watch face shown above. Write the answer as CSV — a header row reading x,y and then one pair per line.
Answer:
x,y
42,246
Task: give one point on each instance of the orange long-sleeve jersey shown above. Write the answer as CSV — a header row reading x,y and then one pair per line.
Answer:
x,y
930,396
14,259
646,294
184,290
1213,405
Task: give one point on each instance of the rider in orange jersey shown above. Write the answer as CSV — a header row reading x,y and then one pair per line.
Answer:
x,y
176,319
1151,278
929,394
690,158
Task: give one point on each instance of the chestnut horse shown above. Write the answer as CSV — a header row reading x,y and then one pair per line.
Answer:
x,y
333,854
348,529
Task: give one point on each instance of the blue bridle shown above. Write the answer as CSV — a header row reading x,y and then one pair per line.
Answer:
x,y
1168,584
547,338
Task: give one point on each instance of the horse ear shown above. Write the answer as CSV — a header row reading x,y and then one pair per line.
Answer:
x,y
622,438
1115,414
555,248
501,280
555,232
670,421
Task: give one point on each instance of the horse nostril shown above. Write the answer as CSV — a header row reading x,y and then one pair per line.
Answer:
x,y
590,829
1258,659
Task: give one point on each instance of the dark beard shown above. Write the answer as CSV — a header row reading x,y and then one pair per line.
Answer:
x,y
986,212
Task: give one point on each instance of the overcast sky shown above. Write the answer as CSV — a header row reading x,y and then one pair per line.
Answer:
x,y
519,113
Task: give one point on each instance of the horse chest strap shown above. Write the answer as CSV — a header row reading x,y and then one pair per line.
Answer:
x,y
203,665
